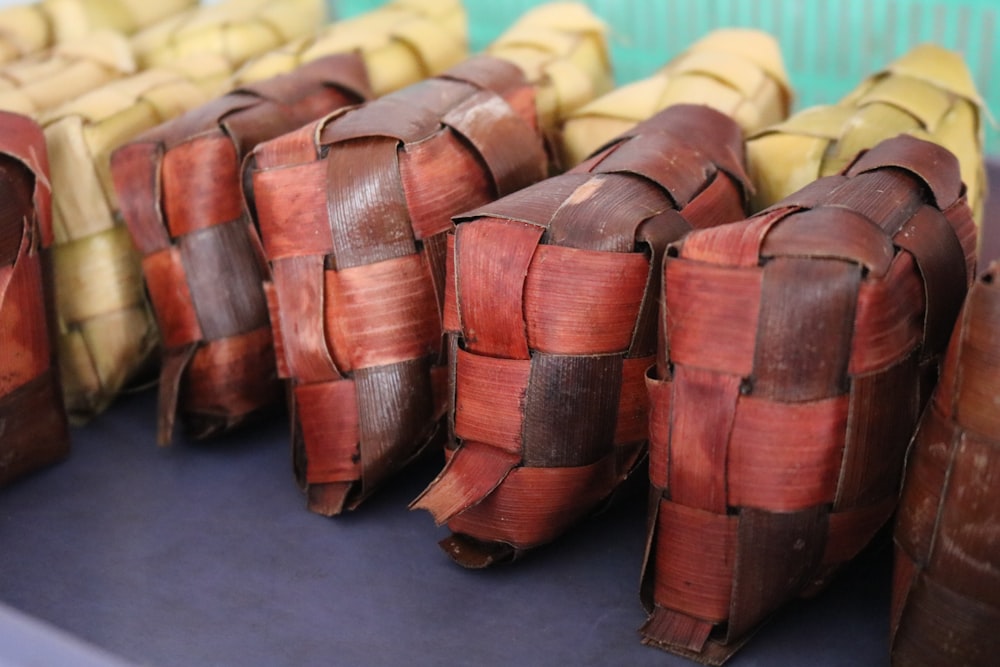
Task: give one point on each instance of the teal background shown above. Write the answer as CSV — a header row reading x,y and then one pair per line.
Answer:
x,y
828,45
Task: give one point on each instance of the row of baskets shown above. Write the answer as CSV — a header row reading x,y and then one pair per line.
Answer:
x,y
551,278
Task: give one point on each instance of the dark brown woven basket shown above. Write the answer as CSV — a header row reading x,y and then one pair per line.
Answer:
x,y
799,348
33,426
354,212
551,302
946,585
181,191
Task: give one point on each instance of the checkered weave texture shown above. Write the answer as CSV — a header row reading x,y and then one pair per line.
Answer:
x,y
106,333
551,301
799,348
354,212
946,585
180,189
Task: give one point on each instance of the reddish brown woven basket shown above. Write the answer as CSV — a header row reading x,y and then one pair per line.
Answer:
x,y
799,348
33,427
551,301
180,187
946,588
354,211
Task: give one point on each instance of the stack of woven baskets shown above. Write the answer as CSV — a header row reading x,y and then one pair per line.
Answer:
x,y
500,260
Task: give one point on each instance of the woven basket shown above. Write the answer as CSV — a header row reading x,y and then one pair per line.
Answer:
x,y
180,188
106,331
928,92
33,429
736,71
401,42
69,69
799,348
551,301
235,29
29,28
946,586
218,365
354,211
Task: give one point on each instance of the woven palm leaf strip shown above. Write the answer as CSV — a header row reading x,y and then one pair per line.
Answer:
x,y
354,211
551,302
799,348
401,43
67,70
946,584
237,29
928,92
32,418
739,72
106,332
26,29
181,191
181,194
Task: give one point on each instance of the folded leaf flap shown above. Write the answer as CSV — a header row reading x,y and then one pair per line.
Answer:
x,y
471,474
488,73
933,164
714,134
407,115
172,368
491,307
834,232
366,208
346,71
941,262
510,147
605,212
664,147
939,66
135,168
534,205
200,180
